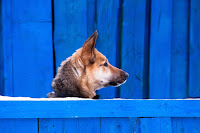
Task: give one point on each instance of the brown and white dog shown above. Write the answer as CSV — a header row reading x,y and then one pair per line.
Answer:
x,y
86,71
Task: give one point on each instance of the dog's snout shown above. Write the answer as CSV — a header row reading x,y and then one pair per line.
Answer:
x,y
124,75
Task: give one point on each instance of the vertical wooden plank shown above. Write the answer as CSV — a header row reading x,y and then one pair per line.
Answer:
x,y
6,85
179,52
18,125
179,49
91,17
32,47
70,27
82,125
185,125
160,49
134,125
155,125
134,45
34,78
119,125
107,41
51,125
194,62
7,17
1,53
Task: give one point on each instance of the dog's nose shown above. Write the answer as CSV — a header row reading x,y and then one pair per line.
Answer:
x,y
126,75
122,77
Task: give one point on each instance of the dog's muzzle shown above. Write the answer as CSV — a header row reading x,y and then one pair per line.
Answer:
x,y
119,79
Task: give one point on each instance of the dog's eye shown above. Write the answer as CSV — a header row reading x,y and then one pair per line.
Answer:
x,y
105,64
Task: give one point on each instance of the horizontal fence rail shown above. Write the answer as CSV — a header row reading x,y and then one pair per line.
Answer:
x,y
36,108
149,39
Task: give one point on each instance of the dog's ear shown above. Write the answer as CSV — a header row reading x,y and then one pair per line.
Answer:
x,y
88,50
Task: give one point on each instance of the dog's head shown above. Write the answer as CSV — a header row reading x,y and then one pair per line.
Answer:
x,y
98,71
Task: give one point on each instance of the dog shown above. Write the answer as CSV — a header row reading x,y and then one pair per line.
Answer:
x,y
86,71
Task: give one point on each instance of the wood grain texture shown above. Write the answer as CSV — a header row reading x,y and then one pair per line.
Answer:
x,y
160,49
185,125
134,48
6,57
75,125
82,125
114,125
89,125
91,17
18,126
1,54
100,108
179,49
119,125
70,27
107,41
155,125
134,54
16,16
179,52
194,62
51,125
32,48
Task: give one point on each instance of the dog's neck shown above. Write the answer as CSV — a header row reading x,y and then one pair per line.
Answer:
x,y
69,80
78,70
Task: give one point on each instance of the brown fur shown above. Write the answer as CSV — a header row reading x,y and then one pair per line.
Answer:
x,y
86,71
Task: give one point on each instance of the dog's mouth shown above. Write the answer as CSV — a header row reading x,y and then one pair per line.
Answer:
x,y
116,84
113,83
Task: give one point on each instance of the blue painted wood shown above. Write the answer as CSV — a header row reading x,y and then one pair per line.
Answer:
x,y
190,125
119,125
82,125
91,17
70,27
51,125
34,78
29,10
134,45
1,54
6,85
10,17
134,125
115,125
185,125
155,125
160,49
75,125
32,47
107,41
102,108
179,49
179,52
194,62
146,125
18,125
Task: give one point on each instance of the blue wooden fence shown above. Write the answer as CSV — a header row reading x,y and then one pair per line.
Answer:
x,y
156,41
